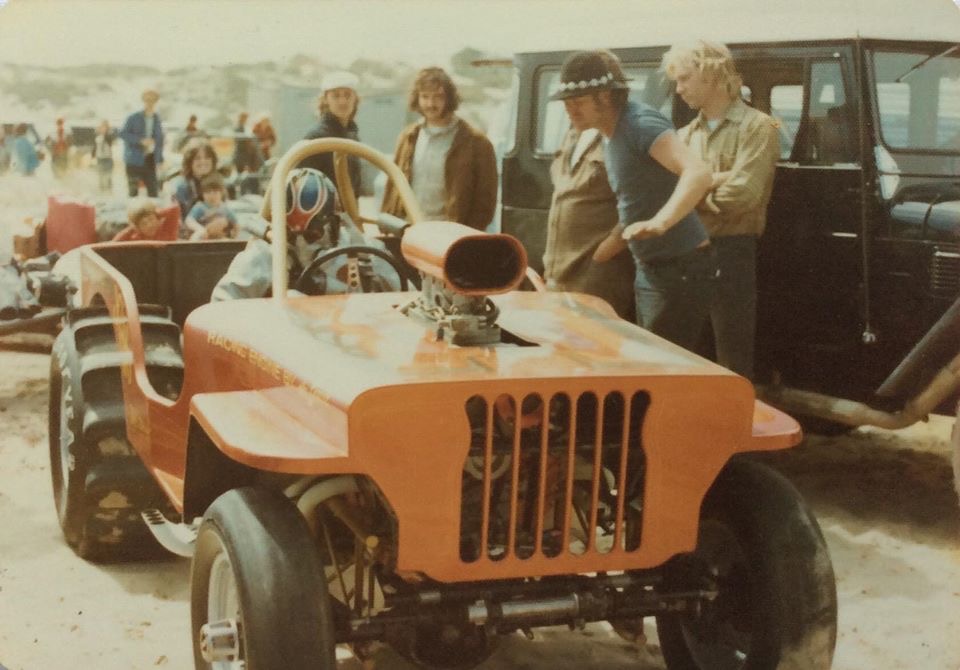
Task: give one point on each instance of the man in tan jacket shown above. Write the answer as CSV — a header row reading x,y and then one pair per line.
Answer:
x,y
450,164
583,209
742,146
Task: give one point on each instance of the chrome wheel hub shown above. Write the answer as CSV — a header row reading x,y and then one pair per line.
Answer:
x,y
220,641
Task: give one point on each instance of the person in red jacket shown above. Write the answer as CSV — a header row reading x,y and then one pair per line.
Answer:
x,y
59,145
144,222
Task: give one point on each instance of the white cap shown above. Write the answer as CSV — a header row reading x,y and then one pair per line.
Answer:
x,y
339,79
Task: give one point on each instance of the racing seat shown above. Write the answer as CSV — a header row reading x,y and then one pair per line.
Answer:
x,y
170,223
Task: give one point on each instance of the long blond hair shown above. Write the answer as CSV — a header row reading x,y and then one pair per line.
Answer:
x,y
712,59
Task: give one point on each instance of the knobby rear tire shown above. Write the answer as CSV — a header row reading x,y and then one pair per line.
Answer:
x,y
99,484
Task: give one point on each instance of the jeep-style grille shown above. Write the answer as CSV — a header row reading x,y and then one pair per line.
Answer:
x,y
546,476
945,271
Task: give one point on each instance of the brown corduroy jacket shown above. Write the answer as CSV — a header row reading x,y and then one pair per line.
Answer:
x,y
470,176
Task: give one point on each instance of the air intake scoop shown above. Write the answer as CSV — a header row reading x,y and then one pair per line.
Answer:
x,y
467,261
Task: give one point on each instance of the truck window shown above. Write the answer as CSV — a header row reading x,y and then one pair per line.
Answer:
x,y
776,87
502,129
786,106
826,134
647,84
918,99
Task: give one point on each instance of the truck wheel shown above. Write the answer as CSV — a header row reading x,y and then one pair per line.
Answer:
x,y
777,601
258,597
100,486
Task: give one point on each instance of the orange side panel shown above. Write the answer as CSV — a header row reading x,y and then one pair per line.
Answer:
x,y
281,429
772,429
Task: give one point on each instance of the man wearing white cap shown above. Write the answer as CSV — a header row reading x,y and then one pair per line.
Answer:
x,y
338,107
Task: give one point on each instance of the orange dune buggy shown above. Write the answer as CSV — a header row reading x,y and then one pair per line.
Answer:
x,y
429,468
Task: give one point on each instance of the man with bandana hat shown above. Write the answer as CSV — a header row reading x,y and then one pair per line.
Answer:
x,y
658,182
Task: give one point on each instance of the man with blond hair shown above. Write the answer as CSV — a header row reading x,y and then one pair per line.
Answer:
x,y
741,145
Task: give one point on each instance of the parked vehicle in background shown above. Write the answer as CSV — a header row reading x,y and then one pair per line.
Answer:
x,y
83,138
859,268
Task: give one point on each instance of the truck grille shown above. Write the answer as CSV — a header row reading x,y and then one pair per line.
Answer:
x,y
555,475
945,271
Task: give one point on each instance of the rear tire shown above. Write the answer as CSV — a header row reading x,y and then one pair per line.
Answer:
x,y
777,602
257,564
100,486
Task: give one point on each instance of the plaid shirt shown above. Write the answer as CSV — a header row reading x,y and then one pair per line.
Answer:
x,y
747,144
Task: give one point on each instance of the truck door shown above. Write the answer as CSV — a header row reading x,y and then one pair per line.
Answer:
x,y
810,258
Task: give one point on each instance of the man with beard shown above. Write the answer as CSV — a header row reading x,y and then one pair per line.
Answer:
x,y
450,164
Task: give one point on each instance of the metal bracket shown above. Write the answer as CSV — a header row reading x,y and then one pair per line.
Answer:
x,y
177,538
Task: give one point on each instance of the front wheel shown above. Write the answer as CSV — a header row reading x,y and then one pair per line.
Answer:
x,y
258,597
776,606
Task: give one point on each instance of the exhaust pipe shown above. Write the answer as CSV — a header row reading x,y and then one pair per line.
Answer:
x,y
852,413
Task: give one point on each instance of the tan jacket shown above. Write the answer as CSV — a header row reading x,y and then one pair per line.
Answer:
x,y
470,176
582,213
746,143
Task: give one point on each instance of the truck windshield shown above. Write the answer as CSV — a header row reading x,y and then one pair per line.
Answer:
x,y
918,99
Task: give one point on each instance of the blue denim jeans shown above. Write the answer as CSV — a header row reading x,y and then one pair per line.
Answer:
x,y
734,313
674,297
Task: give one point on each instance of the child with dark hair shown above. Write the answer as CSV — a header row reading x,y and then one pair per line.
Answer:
x,y
211,219
144,222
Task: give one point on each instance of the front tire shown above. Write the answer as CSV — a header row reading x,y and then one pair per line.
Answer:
x,y
256,567
777,603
